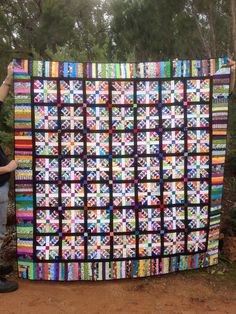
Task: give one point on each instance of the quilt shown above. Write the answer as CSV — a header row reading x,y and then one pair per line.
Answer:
x,y
120,167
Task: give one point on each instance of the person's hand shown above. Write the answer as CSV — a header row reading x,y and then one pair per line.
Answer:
x,y
12,165
9,78
232,64
10,70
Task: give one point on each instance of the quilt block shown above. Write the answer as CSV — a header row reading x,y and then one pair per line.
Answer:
x,y
120,167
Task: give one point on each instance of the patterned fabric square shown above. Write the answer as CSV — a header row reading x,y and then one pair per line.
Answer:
x,y
198,115
73,221
197,241
147,117
220,91
72,143
97,118
72,194
174,243
97,144
149,193
45,117
97,92
46,169
98,195
124,220
198,192
147,92
46,195
72,169
71,91
172,91
198,141
45,91
149,219
72,118
174,218
47,221
122,118
149,245
172,116
122,93
198,90
173,167
123,194
47,247
98,221
197,217
73,247
173,142
46,143
148,168
124,246
173,192
123,168
198,167
97,169
148,142
123,144
98,247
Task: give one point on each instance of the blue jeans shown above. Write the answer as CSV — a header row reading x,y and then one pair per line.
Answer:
x,y
3,210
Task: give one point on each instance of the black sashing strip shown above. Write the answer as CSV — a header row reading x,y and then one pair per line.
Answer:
x,y
138,79
125,131
85,172
135,113
121,233
160,107
185,167
59,168
111,212
127,156
124,207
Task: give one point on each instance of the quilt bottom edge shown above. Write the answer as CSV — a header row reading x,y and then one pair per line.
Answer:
x,y
113,270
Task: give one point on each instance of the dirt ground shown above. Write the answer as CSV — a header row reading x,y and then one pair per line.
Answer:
x,y
190,292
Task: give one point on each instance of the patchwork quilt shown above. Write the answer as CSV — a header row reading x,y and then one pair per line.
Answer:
x,y
120,167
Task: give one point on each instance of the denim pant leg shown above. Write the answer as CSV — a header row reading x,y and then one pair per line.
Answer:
x,y
3,210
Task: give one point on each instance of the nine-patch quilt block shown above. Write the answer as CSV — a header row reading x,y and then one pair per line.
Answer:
x,y
120,167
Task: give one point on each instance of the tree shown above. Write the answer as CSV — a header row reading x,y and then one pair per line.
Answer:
x,y
233,24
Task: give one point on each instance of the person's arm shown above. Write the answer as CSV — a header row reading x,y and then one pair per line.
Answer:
x,y
9,167
232,65
7,83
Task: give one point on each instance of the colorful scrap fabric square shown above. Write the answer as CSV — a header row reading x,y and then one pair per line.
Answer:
x,y
120,167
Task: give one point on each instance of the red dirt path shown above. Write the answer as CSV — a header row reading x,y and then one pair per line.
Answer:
x,y
183,293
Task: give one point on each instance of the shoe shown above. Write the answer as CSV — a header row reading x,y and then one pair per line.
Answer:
x,y
7,286
5,269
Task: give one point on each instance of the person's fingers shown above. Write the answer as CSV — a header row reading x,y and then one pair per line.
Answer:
x,y
10,68
231,62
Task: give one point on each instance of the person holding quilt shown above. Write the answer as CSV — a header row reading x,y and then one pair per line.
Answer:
x,y
5,171
232,65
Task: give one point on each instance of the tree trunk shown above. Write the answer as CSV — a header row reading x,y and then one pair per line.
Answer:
x,y
212,29
233,24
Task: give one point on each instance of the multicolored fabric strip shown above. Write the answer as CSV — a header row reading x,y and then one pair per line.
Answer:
x,y
120,167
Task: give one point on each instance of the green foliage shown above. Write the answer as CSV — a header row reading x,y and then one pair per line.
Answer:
x,y
7,124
